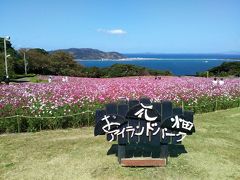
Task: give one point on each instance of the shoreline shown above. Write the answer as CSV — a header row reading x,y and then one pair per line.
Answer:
x,y
160,59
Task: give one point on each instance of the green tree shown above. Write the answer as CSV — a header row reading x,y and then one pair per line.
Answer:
x,y
62,63
38,61
121,70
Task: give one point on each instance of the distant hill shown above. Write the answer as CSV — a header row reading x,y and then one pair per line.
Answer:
x,y
88,53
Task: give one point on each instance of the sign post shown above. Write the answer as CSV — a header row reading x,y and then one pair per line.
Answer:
x,y
142,122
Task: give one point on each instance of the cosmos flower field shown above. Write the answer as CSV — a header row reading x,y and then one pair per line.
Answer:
x,y
80,94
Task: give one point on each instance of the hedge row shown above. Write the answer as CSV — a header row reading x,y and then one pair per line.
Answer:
x,y
32,124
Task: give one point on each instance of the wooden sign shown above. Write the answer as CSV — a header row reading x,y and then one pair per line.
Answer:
x,y
144,122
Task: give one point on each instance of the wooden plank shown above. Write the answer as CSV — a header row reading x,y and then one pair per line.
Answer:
x,y
123,101
163,150
133,103
155,139
123,137
156,151
189,117
109,137
99,115
158,107
121,152
145,101
177,111
166,113
143,162
143,138
122,109
98,123
166,109
163,138
176,138
134,124
111,108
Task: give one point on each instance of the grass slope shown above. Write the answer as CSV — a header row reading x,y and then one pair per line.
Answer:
x,y
213,153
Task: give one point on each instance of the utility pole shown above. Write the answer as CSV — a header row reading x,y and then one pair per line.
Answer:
x,y
5,56
25,62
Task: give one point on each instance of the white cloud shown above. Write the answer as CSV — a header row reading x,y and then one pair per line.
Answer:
x,y
116,31
112,31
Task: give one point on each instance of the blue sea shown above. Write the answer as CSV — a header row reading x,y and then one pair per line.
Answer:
x,y
178,64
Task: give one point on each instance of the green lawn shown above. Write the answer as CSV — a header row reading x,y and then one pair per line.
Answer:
x,y
213,152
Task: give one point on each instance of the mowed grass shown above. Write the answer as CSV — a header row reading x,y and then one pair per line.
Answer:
x,y
213,152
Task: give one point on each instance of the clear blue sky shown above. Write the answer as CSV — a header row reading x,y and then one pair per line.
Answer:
x,y
127,26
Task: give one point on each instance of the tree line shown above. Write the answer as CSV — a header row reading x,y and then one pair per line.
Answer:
x,y
62,63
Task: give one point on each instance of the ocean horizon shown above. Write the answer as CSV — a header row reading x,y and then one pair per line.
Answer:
x,y
178,64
